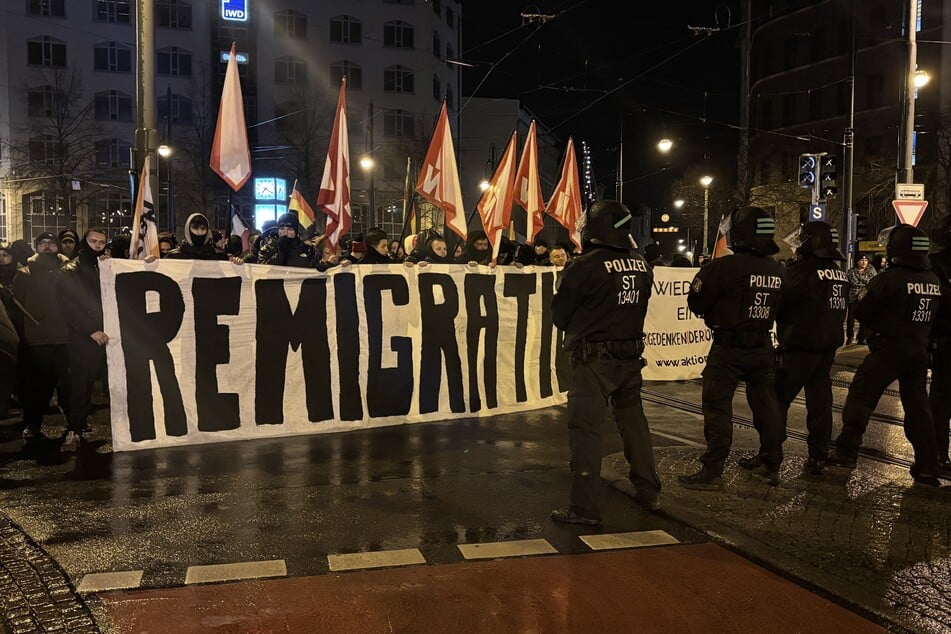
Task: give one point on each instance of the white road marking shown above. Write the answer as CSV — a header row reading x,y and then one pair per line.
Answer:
x,y
233,572
497,550
381,559
101,581
685,441
637,539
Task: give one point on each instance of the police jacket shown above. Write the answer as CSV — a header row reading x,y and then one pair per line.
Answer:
x,y
815,297
603,296
739,293
941,265
901,303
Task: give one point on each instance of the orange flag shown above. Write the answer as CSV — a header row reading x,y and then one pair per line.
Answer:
x,y
298,204
565,202
230,154
495,206
439,177
334,196
528,190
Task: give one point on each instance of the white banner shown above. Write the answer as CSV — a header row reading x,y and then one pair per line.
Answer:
x,y
211,351
676,342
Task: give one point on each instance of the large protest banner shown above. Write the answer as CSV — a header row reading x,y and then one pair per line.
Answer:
x,y
211,351
676,342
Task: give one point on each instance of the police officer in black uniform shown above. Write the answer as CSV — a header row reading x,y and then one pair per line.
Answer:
x,y
899,306
738,297
600,305
809,329
939,395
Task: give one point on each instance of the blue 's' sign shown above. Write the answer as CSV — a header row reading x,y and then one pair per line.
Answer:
x,y
817,212
234,10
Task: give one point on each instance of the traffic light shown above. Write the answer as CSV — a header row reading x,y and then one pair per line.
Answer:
x,y
827,177
861,227
807,170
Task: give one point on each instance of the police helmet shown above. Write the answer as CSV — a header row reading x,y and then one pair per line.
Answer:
x,y
942,232
753,229
820,239
606,222
908,246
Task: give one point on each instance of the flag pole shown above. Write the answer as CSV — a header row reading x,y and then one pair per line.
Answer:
x,y
409,197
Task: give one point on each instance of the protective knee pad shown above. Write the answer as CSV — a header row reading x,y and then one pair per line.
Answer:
x,y
626,397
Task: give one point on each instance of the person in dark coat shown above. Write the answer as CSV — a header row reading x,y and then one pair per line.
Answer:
x,y
377,247
436,251
68,243
196,244
119,246
81,301
21,251
285,248
939,394
477,249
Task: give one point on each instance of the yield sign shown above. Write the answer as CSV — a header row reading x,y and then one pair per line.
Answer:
x,y
910,211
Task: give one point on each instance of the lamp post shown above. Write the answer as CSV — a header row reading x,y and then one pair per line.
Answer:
x,y
705,182
664,145
165,152
908,168
367,164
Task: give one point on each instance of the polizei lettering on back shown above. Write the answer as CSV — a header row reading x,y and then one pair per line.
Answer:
x,y
923,288
766,281
625,265
832,274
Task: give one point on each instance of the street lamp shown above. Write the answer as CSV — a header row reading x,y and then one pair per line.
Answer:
x,y
679,203
367,164
705,182
664,145
165,152
922,78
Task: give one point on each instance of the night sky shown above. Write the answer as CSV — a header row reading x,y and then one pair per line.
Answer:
x,y
568,72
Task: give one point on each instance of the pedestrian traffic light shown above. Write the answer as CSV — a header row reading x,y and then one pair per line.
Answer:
x,y
807,170
827,176
861,227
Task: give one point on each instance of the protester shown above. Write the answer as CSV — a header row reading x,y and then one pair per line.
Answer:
x,y
285,248
21,250
477,249
738,298
680,260
235,247
329,254
68,243
81,302
436,251
377,247
604,332
196,243
119,246
166,245
558,256
898,307
653,254
395,254
270,228
540,252
859,277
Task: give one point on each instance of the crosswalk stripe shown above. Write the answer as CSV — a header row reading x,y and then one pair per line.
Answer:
x,y
234,572
519,548
381,559
101,581
637,539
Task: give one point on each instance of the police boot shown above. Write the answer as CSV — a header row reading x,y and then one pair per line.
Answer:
x,y
751,461
703,480
926,479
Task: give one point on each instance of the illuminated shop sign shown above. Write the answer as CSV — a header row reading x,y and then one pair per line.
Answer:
x,y
234,10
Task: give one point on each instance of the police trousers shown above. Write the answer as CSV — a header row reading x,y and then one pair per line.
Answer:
x,y
596,382
809,370
939,396
888,361
726,367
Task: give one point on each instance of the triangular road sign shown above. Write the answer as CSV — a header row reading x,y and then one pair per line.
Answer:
x,y
910,211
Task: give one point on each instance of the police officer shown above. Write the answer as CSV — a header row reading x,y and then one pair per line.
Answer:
x,y
738,297
600,306
899,305
939,395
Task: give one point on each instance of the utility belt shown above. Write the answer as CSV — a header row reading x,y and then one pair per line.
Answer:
x,y
621,349
742,338
877,341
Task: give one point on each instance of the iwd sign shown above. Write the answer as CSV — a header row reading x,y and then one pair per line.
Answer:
x,y
234,10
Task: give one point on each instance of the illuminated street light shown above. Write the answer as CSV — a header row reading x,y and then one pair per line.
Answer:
x,y
921,78
679,203
664,145
483,184
366,162
705,181
164,151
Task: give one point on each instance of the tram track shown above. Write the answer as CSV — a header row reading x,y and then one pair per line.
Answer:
x,y
666,400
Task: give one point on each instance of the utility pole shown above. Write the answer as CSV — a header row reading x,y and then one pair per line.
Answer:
x,y
145,88
848,151
908,168
371,214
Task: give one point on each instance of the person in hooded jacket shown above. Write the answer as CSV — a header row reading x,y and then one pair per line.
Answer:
x,y
600,305
809,329
196,243
899,307
43,366
477,248
81,302
738,296
68,243
939,394
436,251
285,248
21,251
377,247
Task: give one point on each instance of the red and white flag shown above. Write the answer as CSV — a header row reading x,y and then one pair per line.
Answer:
x,y
565,202
439,177
495,206
230,155
238,228
144,240
528,190
334,196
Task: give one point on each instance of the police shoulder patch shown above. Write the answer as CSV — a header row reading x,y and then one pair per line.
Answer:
x,y
696,285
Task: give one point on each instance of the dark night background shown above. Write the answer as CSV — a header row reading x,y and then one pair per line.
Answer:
x,y
574,71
